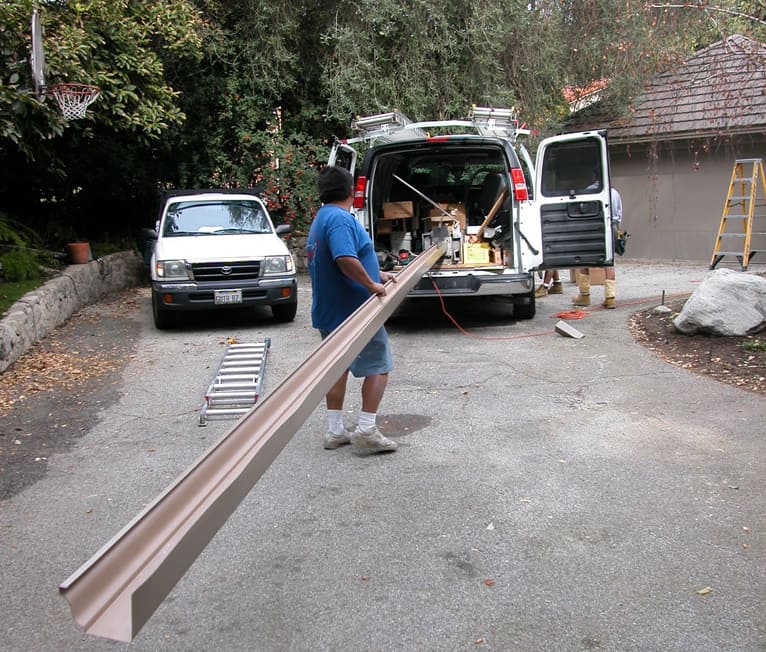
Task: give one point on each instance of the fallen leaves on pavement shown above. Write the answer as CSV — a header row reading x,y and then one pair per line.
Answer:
x,y
54,364
50,369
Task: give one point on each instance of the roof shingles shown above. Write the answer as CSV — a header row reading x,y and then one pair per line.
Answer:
x,y
721,89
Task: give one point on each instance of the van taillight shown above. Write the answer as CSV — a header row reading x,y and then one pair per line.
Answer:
x,y
361,185
519,185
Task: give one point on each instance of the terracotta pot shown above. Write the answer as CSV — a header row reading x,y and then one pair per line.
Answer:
x,y
79,252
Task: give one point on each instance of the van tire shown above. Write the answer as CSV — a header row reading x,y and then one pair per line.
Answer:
x,y
284,312
526,307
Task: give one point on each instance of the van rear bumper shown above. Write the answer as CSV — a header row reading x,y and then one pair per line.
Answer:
x,y
473,284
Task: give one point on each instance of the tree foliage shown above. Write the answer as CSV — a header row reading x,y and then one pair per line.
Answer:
x,y
115,44
432,58
239,93
428,58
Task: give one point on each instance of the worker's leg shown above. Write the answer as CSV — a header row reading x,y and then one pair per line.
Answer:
x,y
609,288
373,364
555,286
544,289
336,435
372,392
334,398
583,282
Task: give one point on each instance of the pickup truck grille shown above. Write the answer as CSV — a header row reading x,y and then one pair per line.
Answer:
x,y
240,271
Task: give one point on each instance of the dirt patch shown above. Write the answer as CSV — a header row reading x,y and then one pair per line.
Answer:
x,y
739,361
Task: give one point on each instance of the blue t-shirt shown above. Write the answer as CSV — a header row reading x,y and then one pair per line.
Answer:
x,y
335,233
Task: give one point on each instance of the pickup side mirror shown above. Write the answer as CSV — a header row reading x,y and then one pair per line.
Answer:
x,y
284,229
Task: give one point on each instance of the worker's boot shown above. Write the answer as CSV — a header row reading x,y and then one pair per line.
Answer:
x,y
583,299
556,288
609,294
541,292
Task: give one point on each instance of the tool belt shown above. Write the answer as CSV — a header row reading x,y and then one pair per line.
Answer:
x,y
620,238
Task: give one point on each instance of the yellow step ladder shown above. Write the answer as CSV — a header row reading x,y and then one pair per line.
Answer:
x,y
739,213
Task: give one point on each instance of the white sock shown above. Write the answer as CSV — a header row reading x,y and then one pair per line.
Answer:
x,y
367,421
335,422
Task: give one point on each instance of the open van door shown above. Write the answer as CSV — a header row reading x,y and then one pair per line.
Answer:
x,y
571,219
342,155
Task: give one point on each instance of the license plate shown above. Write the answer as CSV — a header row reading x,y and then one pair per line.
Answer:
x,y
228,296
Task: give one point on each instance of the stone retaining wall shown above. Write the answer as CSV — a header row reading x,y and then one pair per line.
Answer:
x,y
297,246
38,312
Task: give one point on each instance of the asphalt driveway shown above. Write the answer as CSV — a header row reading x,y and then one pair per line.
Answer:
x,y
548,494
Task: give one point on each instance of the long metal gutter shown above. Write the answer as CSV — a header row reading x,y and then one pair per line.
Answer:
x,y
119,588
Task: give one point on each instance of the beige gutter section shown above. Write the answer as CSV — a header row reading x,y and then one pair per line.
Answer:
x,y
119,588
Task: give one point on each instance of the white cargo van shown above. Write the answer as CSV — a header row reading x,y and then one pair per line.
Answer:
x,y
471,183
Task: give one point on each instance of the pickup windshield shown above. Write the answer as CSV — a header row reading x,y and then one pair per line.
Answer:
x,y
215,218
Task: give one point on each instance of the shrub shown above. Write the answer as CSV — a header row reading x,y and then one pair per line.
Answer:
x,y
756,345
20,265
15,233
284,167
290,190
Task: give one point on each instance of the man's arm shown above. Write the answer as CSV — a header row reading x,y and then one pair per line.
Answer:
x,y
353,269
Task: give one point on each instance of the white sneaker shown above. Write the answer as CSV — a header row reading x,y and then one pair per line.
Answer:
x,y
372,442
332,441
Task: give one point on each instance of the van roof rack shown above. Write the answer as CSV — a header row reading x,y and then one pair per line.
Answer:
x,y
384,126
394,125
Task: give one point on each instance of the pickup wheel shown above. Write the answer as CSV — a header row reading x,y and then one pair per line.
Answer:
x,y
284,312
162,318
526,307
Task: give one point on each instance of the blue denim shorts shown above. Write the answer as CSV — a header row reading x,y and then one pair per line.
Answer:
x,y
375,358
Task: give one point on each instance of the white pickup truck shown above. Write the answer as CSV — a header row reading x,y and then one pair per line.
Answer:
x,y
218,249
471,183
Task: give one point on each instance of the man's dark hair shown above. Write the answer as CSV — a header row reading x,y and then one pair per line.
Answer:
x,y
335,184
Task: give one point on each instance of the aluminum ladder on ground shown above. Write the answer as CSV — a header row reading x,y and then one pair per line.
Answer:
x,y
237,383
739,213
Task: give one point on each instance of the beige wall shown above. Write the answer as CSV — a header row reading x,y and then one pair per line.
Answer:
x,y
673,198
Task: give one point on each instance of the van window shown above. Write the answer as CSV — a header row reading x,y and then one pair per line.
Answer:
x,y
572,168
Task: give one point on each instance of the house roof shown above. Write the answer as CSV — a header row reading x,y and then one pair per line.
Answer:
x,y
720,90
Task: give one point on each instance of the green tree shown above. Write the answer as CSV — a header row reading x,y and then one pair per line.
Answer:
x,y
432,58
427,58
239,93
56,169
254,104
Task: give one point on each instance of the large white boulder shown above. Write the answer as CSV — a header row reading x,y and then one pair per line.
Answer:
x,y
726,303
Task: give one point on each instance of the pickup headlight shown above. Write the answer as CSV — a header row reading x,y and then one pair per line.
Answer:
x,y
172,269
277,265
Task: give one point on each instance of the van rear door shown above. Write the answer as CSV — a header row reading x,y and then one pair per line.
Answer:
x,y
571,218
342,155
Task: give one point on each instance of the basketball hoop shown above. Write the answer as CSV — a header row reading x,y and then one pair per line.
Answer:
x,y
73,99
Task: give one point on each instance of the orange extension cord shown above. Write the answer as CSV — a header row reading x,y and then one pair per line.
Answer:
x,y
569,315
478,337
